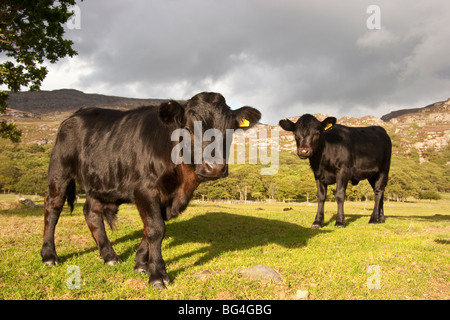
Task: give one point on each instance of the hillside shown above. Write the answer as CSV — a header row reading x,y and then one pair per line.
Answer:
x,y
413,131
423,129
44,102
399,113
38,114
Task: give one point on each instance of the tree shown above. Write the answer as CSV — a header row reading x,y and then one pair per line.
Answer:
x,y
30,32
404,180
270,186
33,182
9,174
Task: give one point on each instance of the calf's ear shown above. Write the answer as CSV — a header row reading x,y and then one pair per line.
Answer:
x,y
328,123
246,117
171,113
287,125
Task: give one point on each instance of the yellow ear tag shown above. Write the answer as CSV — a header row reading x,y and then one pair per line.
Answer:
x,y
328,126
244,123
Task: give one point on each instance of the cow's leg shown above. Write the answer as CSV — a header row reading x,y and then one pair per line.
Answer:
x,y
341,186
94,211
53,204
378,184
141,259
154,229
321,196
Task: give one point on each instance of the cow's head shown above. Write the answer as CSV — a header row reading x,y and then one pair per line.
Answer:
x,y
308,132
205,118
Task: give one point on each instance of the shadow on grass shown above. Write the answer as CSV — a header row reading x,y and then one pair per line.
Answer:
x,y
225,232
222,232
349,219
433,218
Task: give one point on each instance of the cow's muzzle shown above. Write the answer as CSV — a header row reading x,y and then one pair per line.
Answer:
x,y
212,170
304,153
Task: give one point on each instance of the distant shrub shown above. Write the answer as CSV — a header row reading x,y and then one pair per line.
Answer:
x,y
429,195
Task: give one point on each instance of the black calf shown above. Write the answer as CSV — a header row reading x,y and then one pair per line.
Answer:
x,y
126,157
339,154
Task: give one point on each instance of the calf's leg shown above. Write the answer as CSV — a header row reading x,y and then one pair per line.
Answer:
x,y
141,259
378,184
321,196
341,186
53,204
154,230
94,212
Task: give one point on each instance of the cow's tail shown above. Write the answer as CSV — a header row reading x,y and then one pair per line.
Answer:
x,y
70,194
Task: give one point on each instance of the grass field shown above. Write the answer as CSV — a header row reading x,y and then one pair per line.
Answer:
x,y
208,242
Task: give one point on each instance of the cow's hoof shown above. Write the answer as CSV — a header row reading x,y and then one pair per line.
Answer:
x,y
141,267
340,225
140,270
50,263
112,262
316,226
376,220
166,281
158,284
50,259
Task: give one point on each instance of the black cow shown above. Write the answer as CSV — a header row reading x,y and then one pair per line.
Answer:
x,y
338,154
125,157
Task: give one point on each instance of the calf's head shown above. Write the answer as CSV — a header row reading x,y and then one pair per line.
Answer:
x,y
308,132
204,123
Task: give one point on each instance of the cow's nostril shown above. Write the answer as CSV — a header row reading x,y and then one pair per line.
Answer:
x,y
304,152
209,165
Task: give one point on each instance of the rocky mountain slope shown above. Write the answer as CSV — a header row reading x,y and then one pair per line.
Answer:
x,y
418,130
423,129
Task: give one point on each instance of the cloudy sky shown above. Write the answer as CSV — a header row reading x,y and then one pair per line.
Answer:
x,y
283,57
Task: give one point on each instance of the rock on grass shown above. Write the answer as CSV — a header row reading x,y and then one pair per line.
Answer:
x,y
260,272
302,295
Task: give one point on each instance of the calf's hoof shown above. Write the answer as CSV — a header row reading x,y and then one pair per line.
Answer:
x,y
159,283
376,220
112,262
50,263
339,224
140,270
316,225
49,259
110,258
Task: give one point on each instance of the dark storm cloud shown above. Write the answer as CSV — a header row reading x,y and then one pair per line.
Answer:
x,y
284,57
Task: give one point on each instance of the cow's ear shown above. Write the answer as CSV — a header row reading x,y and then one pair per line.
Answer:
x,y
328,123
287,125
246,117
171,113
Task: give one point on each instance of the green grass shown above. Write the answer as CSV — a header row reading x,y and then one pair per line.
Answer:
x,y
412,251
